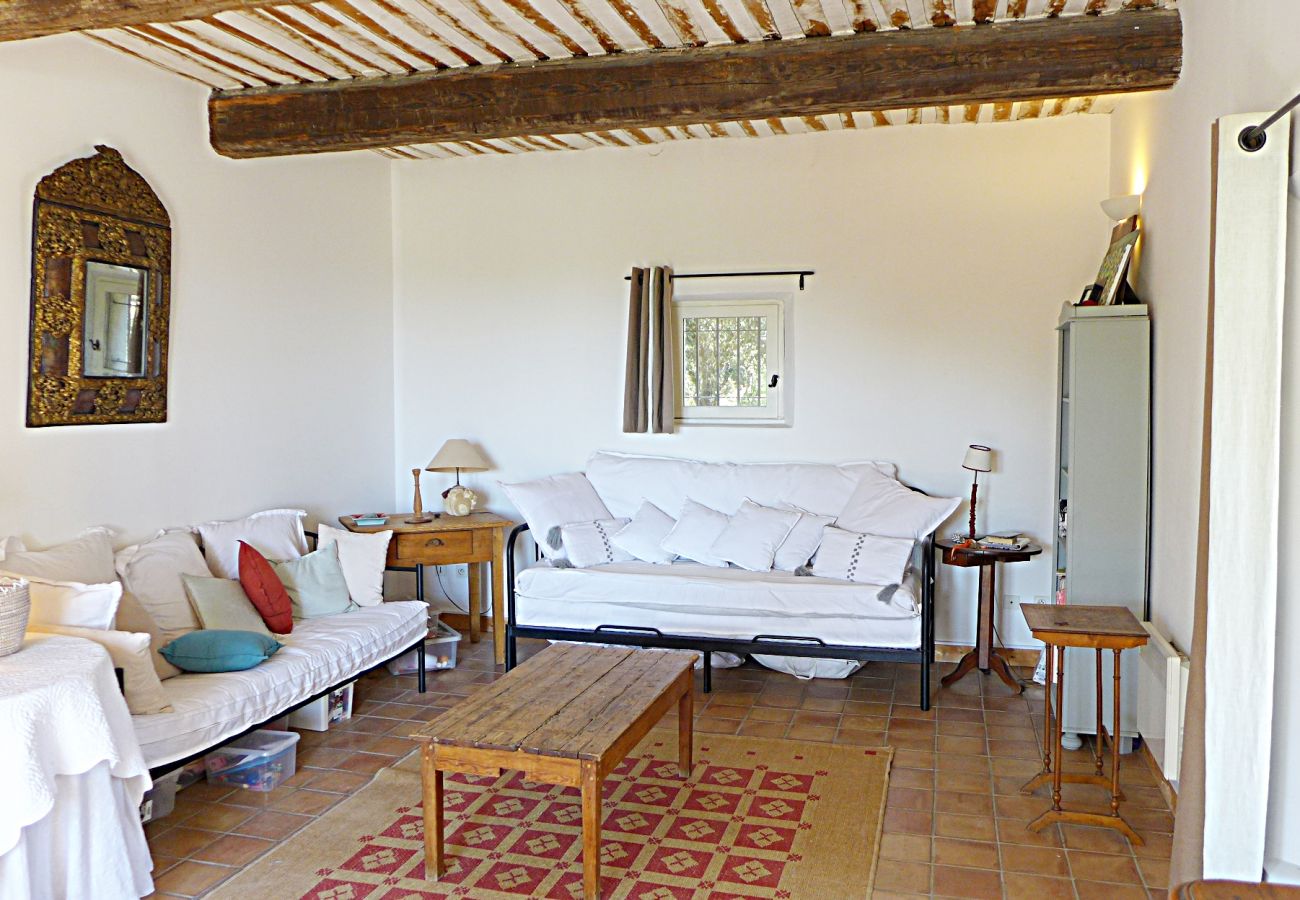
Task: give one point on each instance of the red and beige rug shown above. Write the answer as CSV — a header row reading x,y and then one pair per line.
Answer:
x,y
756,819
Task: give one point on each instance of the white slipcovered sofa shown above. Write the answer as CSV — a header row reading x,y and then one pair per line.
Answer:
x,y
807,625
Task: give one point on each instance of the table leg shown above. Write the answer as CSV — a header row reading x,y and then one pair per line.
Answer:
x,y
1114,747
686,728
475,595
590,832
499,595
984,638
1044,776
1060,697
1101,724
435,866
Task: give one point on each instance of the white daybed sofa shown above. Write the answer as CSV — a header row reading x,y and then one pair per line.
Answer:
x,y
209,710
802,624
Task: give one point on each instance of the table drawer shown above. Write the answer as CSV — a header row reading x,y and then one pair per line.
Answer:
x,y
434,548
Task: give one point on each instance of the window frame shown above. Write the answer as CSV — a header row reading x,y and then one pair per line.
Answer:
x,y
777,410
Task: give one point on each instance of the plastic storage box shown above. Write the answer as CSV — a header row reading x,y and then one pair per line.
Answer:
x,y
260,761
323,712
439,652
159,801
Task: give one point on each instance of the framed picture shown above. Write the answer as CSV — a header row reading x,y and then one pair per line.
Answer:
x,y
1114,268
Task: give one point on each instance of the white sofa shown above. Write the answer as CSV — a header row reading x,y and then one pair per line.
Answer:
x,y
806,625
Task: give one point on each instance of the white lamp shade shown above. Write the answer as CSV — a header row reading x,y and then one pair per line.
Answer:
x,y
457,453
1120,208
978,458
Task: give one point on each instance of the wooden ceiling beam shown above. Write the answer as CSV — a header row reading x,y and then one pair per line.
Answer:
x,y
20,19
999,63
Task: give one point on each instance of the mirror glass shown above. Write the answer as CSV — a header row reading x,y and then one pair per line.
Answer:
x,y
116,320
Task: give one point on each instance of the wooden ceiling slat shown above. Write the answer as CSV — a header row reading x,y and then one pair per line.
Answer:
x,y
749,129
812,17
284,27
679,17
155,35
526,11
465,34
267,48
862,16
451,40
578,9
971,112
1001,111
120,48
879,118
366,23
333,31
897,13
777,126
814,123
1030,109
628,13
1016,9
942,13
762,18
723,21
492,21
192,32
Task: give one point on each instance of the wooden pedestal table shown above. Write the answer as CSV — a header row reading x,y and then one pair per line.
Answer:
x,y
1112,628
984,656
470,541
566,716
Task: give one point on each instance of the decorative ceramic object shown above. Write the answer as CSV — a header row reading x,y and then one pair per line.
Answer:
x,y
459,501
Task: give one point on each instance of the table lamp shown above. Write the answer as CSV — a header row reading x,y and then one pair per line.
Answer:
x,y
978,459
458,455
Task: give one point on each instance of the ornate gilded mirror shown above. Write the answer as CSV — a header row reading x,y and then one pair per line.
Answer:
x,y
101,278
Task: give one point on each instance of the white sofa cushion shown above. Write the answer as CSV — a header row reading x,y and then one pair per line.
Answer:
x,y
275,533
71,603
592,543
548,503
130,653
153,571
643,536
363,556
623,480
802,542
697,528
882,506
753,535
862,558
87,560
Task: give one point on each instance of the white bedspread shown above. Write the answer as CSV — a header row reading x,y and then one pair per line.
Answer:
x,y
71,776
320,652
692,599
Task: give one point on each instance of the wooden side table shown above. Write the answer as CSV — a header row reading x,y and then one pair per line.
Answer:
x,y
452,541
1112,628
984,656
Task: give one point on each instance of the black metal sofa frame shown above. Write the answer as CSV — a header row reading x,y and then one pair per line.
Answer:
x,y
782,645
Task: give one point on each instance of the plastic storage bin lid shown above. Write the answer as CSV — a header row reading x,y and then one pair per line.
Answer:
x,y
260,743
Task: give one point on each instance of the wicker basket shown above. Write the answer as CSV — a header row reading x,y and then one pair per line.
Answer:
x,y
15,604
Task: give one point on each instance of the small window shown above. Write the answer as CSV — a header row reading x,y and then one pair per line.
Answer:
x,y
731,356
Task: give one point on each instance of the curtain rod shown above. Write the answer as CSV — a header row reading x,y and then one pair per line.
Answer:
x,y
1254,137
802,273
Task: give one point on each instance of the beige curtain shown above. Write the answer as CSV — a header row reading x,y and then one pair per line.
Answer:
x,y
649,387
663,388
636,388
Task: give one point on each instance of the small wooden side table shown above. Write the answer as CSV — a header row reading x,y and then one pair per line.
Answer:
x,y
1112,628
984,656
566,716
470,540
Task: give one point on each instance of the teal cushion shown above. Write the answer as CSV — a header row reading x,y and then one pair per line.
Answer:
x,y
219,651
315,583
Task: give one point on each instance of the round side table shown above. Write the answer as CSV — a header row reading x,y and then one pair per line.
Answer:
x,y
984,656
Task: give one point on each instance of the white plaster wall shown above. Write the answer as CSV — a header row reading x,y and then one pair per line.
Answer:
x,y
281,327
942,255
1238,58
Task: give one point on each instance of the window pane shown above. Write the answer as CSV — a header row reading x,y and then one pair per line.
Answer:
x,y
724,361
689,368
707,393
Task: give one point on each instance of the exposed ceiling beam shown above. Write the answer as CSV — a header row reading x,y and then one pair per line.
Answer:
x,y
21,19
1028,60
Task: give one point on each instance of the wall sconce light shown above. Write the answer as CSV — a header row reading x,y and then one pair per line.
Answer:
x,y
1118,209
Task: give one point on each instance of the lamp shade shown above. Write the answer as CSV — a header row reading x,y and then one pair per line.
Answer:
x,y
978,458
457,453
1120,208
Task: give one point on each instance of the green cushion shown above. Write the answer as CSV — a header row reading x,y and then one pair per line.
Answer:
x,y
315,583
221,604
219,651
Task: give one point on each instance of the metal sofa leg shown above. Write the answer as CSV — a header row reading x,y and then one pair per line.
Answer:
x,y
511,649
925,683
708,672
419,658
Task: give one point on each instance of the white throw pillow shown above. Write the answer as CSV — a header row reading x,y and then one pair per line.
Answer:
x,y
72,603
753,535
153,570
697,528
862,558
885,507
363,557
130,653
86,560
548,503
802,542
643,536
276,534
592,543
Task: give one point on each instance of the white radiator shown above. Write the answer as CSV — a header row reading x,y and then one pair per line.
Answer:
x,y
1162,695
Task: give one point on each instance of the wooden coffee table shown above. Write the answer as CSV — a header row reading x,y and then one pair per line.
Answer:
x,y
566,716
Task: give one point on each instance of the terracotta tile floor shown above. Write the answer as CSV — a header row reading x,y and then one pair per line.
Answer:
x,y
954,824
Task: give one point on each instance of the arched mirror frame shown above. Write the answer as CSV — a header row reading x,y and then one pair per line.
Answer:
x,y
97,213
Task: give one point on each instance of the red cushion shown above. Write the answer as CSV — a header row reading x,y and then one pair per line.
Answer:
x,y
265,590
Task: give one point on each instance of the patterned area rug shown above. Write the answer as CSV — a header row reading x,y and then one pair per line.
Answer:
x,y
756,819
